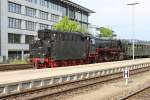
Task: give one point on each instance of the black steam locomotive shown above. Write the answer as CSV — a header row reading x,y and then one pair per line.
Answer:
x,y
56,49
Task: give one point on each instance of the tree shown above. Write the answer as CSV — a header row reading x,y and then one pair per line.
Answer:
x,y
83,30
66,25
106,32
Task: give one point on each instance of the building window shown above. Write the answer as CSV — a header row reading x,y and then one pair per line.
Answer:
x,y
14,23
71,14
15,8
50,27
63,11
43,26
32,1
14,38
14,55
30,25
53,6
30,12
44,3
44,15
29,39
85,26
78,16
84,18
54,18
26,52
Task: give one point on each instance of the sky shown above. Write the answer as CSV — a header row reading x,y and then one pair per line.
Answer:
x,y
117,15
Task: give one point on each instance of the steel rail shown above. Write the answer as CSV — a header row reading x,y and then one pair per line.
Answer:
x,y
135,93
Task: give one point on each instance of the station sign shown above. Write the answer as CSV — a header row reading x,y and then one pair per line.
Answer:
x,y
126,75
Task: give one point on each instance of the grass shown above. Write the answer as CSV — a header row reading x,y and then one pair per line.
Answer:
x,y
16,61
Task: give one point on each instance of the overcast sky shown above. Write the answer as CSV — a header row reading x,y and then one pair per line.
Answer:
x,y
116,14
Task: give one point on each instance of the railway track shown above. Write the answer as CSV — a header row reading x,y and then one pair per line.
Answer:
x,y
9,67
55,91
141,94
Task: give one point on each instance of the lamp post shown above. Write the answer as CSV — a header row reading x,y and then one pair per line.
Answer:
x,y
133,28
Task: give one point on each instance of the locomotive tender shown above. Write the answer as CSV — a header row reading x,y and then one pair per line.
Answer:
x,y
56,49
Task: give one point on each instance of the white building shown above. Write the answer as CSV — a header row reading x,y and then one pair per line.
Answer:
x,y
94,30
21,19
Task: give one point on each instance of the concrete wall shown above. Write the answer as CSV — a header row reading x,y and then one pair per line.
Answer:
x,y
4,28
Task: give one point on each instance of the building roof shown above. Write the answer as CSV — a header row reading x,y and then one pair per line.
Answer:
x,y
77,6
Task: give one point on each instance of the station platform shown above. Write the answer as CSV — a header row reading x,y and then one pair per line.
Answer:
x,y
15,81
24,75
